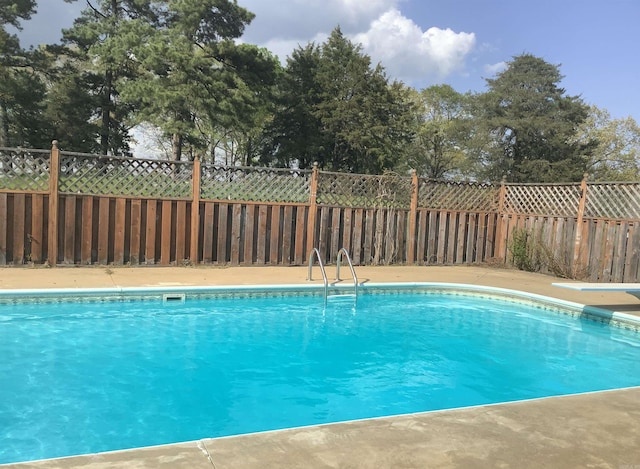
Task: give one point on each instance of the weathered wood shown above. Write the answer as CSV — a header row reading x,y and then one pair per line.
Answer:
x,y
378,239
249,235
261,251
324,232
401,240
181,232
208,234
313,210
357,237
287,237
335,232
19,213
471,238
432,239
86,234
461,237
620,249
103,230
276,238
4,225
52,228
136,232
223,216
442,237
165,234
236,233
119,235
37,227
413,216
300,226
69,228
195,213
150,232
367,232
347,230
421,251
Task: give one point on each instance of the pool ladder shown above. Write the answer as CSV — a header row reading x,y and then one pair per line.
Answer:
x,y
315,252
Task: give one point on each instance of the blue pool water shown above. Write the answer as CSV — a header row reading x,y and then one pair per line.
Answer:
x,y
81,378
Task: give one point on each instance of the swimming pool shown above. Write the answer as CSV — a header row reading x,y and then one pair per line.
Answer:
x,y
144,368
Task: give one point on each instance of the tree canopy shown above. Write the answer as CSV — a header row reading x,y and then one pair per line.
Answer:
x,y
181,68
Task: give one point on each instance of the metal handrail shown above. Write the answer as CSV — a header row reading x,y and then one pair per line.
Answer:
x,y
324,273
353,271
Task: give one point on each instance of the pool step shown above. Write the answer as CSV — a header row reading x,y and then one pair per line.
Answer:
x,y
341,296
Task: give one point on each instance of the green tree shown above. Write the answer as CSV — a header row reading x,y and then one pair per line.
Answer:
x,y
21,87
530,121
616,156
95,47
338,110
439,147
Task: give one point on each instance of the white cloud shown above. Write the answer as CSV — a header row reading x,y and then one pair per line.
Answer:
x,y
495,68
411,54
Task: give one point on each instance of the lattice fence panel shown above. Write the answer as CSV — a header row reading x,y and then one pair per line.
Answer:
x,y
618,200
463,196
24,170
559,200
255,184
105,175
357,190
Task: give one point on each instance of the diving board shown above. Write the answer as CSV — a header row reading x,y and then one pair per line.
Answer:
x,y
630,288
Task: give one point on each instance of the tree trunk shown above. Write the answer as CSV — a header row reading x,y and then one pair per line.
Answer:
x,y
105,129
176,147
4,124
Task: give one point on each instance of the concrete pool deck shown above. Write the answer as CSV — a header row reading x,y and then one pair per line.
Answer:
x,y
589,430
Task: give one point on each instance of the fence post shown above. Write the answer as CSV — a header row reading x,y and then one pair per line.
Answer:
x,y
195,211
413,216
313,208
500,223
577,261
54,174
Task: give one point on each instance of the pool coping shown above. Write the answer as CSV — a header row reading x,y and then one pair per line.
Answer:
x,y
35,295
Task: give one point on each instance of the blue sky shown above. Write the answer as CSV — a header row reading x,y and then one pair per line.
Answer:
x,y
459,42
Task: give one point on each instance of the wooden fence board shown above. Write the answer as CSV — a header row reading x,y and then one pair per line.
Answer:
x,y
119,235
633,254
103,230
19,212
181,232
432,240
86,234
37,227
421,237
165,234
442,237
461,236
347,231
357,236
223,225
136,232
620,249
276,238
323,233
401,239
207,241
287,234
471,238
150,232
369,226
4,225
236,234
261,253
301,224
249,234
335,232
69,203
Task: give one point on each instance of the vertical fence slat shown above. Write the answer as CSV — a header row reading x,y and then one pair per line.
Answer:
x,y
335,233
261,251
19,214
275,244
136,231
181,232
86,233
119,235
249,234
287,235
150,232
221,254
69,229
442,237
3,228
52,229
300,235
103,230
208,235
165,235
368,235
37,225
357,237
236,230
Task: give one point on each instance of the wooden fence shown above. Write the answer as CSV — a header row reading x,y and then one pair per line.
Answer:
x,y
68,208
